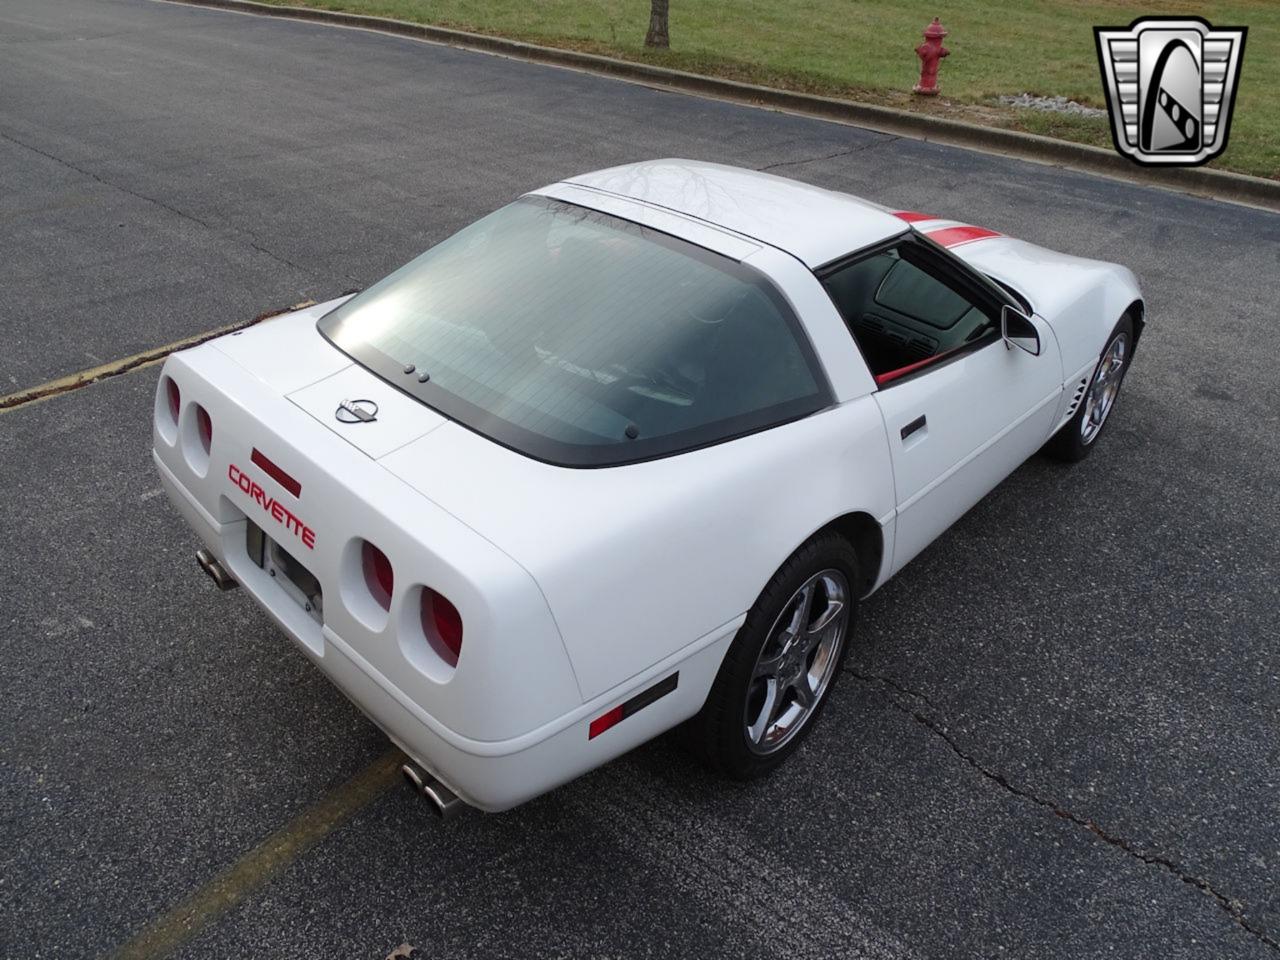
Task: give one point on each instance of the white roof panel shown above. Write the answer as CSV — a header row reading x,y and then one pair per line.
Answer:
x,y
814,225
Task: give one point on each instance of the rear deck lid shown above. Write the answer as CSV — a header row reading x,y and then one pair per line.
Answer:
x,y
366,411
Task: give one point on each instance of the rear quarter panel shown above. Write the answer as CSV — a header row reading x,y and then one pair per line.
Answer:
x,y
640,561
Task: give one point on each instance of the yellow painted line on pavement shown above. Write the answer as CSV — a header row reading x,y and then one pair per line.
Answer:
x,y
74,381
179,925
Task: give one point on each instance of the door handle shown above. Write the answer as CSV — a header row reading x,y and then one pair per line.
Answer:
x,y
913,426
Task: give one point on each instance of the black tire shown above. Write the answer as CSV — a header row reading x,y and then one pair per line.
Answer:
x,y
1072,443
718,735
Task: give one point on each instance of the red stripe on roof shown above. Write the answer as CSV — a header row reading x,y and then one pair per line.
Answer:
x,y
954,236
912,217
275,473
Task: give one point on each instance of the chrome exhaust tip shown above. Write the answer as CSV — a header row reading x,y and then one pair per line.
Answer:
x,y
444,803
216,571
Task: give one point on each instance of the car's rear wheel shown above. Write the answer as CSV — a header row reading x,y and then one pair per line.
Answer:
x,y
1080,434
781,667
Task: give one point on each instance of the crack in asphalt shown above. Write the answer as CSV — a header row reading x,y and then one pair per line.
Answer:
x,y
886,138
252,241
1230,906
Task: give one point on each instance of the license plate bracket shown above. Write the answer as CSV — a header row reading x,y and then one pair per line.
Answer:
x,y
294,579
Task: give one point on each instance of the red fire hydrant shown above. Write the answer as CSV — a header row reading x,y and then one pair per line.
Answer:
x,y
931,53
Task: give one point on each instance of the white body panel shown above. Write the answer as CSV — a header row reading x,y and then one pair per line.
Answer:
x,y
845,370
985,413
283,354
814,225
579,588
618,551
1082,299
732,245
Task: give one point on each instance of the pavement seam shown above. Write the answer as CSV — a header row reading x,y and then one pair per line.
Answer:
x,y
1220,185
177,926
1230,906
106,371
252,241
880,141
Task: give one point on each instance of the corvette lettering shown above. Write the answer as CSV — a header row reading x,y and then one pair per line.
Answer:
x,y
279,511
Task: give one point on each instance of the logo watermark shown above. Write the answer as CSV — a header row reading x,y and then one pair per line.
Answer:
x,y
1170,85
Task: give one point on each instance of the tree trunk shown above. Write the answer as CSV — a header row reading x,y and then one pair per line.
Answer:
x,y
657,35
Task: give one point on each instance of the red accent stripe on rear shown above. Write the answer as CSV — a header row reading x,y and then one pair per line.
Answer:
x,y
910,216
276,474
954,236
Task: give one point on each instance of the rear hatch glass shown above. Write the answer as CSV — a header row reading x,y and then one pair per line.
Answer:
x,y
583,339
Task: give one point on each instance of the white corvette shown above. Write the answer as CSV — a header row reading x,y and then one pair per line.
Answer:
x,y
625,454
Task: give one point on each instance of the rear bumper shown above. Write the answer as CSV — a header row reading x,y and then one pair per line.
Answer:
x,y
492,775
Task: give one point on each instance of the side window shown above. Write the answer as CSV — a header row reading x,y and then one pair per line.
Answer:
x,y
902,314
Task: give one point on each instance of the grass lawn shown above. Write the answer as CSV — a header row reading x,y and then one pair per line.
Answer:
x,y
863,50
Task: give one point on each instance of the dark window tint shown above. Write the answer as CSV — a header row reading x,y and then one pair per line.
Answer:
x,y
902,313
912,292
584,339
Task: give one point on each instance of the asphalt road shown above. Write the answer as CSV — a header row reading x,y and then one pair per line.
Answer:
x,y
1059,735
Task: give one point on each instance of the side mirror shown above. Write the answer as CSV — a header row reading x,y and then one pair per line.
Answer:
x,y
1017,330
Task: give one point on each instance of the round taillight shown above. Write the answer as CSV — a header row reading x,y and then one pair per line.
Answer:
x,y
378,576
204,427
174,396
442,625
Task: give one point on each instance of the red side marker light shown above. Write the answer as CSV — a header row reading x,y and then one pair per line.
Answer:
x,y
637,703
275,473
603,722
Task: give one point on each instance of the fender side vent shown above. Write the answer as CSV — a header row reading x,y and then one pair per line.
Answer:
x,y
1075,400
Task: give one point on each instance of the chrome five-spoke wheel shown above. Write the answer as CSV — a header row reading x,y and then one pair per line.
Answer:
x,y
1104,388
783,663
797,661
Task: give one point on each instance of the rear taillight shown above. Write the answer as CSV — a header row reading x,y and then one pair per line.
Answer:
x,y
442,625
197,438
204,428
174,396
167,408
378,576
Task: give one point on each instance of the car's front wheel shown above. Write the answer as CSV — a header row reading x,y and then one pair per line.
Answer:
x,y
781,667
1078,436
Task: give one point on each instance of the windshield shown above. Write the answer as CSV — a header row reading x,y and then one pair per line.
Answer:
x,y
583,339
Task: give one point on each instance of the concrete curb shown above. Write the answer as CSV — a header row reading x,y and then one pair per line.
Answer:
x,y
1198,181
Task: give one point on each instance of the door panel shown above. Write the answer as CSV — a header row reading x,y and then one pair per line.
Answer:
x,y
983,414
